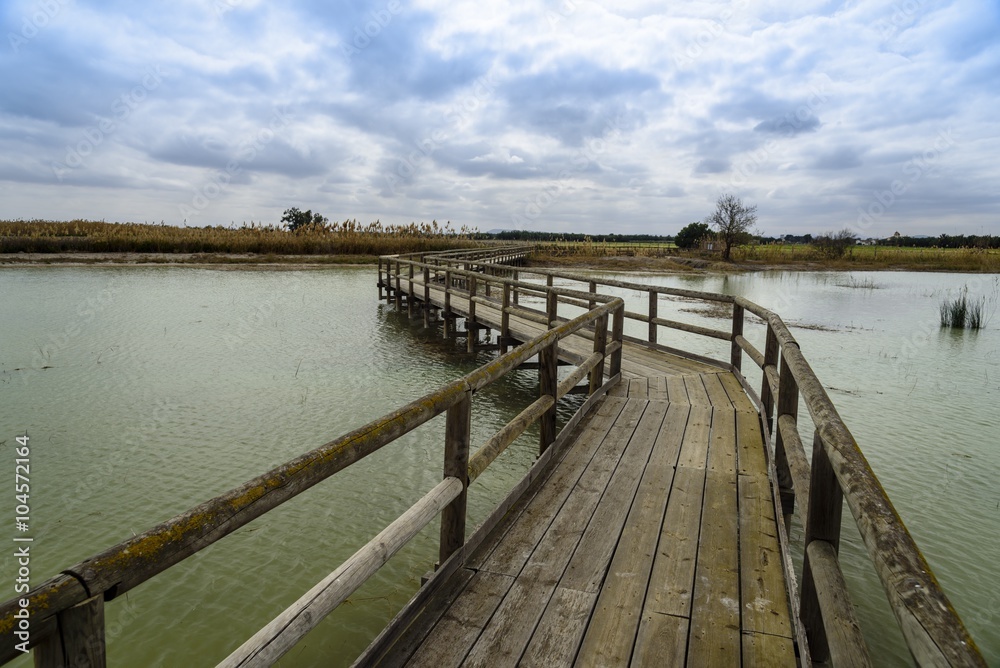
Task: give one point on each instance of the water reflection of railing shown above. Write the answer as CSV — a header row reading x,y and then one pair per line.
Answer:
x,y
836,471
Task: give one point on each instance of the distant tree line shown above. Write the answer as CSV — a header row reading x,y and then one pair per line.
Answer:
x,y
531,235
944,241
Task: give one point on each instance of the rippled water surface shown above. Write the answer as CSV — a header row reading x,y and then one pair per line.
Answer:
x,y
148,390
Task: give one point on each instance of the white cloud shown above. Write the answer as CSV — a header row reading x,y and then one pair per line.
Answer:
x,y
577,112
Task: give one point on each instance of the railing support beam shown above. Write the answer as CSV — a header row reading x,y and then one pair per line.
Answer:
x,y
458,429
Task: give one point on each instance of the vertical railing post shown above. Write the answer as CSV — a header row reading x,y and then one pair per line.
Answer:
x,y
471,333
380,278
514,297
600,346
736,357
399,292
593,290
78,639
826,504
767,398
551,308
410,297
427,297
617,328
788,404
448,320
654,298
458,428
548,380
505,318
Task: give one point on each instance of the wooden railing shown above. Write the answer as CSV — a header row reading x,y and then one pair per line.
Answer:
x,y
66,613
812,486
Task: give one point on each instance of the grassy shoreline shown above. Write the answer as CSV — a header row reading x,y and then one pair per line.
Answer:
x,y
80,242
665,265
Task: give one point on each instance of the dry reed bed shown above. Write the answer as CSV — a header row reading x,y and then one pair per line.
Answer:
x,y
347,238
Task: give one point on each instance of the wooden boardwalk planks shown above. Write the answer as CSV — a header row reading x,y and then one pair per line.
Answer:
x,y
652,542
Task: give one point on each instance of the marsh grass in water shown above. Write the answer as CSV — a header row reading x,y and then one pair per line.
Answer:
x,y
964,312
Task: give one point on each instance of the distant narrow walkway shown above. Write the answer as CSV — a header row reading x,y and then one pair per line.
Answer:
x,y
652,542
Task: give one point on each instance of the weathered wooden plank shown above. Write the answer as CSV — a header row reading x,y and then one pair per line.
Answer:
x,y
696,391
513,549
842,630
509,630
676,390
419,624
638,388
557,637
760,649
507,635
715,612
762,580
722,442
590,562
672,578
614,624
737,395
658,388
461,625
694,451
716,392
662,640
750,444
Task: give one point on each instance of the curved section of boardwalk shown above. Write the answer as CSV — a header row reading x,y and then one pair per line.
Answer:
x,y
651,542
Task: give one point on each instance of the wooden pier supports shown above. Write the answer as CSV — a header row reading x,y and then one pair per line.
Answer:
x,y
78,639
458,426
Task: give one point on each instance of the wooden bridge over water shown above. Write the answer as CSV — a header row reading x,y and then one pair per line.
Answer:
x,y
651,530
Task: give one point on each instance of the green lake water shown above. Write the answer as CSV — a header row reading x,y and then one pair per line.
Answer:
x,y
148,390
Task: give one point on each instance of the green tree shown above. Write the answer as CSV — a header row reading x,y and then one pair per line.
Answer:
x,y
690,235
734,220
294,219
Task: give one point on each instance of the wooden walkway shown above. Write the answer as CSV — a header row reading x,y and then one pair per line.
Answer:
x,y
652,542
638,361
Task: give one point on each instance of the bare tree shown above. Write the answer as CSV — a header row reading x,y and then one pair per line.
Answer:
x,y
734,221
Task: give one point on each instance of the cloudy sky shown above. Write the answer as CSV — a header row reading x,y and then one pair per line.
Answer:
x,y
558,115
